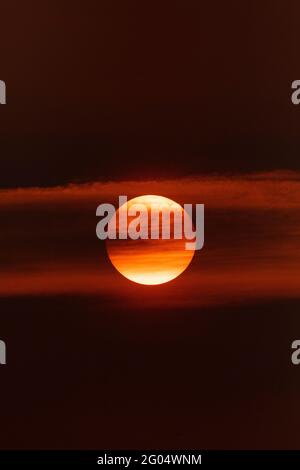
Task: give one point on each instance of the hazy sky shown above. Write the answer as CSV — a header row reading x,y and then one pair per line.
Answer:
x,y
184,99
116,90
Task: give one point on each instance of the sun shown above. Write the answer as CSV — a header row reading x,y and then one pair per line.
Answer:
x,y
153,260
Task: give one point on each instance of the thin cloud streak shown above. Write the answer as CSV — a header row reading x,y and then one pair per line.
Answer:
x,y
261,190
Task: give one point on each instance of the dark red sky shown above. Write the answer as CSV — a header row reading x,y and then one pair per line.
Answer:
x,y
120,89
190,100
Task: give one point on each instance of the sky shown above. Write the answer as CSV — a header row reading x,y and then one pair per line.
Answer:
x,y
120,90
187,100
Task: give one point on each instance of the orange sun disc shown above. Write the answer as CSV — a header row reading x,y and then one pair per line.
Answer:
x,y
152,260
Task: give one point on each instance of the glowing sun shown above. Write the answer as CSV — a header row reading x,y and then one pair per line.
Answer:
x,y
155,259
